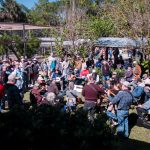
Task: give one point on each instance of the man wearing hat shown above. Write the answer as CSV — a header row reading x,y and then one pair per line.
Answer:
x,y
123,100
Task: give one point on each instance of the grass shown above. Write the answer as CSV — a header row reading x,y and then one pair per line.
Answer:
x,y
140,134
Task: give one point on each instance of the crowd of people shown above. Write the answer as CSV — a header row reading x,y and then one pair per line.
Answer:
x,y
53,82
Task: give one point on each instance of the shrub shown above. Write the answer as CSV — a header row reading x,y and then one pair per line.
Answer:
x,y
46,127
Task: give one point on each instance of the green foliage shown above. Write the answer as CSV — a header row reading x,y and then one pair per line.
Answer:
x,y
100,27
10,11
145,66
82,50
99,71
47,127
32,46
4,44
44,13
15,44
120,72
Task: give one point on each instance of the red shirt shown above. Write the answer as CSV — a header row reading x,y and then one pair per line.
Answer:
x,y
84,73
1,91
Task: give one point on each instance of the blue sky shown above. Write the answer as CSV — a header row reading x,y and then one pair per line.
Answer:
x,y
29,3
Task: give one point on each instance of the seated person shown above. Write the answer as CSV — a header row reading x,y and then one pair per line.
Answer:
x,y
138,90
129,74
56,73
35,96
71,97
53,88
84,72
147,90
57,76
42,85
114,77
143,109
112,92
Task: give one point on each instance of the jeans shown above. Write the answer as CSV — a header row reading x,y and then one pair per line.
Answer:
x,y
105,78
90,107
111,115
146,105
123,127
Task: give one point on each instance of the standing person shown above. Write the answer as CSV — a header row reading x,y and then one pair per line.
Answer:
x,y
105,71
65,67
24,66
19,76
115,54
52,62
90,92
106,53
136,71
78,65
120,62
13,94
95,76
130,53
88,63
103,53
44,65
110,53
2,93
98,63
123,100
138,56
83,64
29,72
4,74
35,70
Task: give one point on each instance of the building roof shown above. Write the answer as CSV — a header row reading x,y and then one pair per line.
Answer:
x,y
19,26
116,42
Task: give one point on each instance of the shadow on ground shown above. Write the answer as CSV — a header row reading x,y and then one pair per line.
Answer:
x,y
130,144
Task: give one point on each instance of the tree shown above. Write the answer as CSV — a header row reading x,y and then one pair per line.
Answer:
x,y
11,11
15,44
130,18
44,13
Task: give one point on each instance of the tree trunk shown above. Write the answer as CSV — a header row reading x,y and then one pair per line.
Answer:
x,y
15,53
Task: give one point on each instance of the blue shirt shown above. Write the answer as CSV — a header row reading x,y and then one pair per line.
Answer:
x,y
123,99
